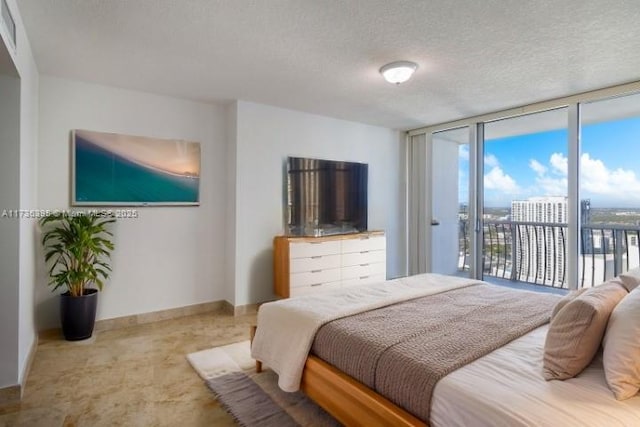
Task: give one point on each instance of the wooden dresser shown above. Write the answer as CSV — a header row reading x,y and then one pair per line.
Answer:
x,y
306,265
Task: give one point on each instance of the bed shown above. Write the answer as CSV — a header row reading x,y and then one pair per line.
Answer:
x,y
502,387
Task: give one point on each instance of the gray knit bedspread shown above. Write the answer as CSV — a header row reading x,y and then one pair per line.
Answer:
x,y
402,350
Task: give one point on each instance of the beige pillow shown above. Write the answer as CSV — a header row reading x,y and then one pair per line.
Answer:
x,y
575,333
570,296
622,348
631,279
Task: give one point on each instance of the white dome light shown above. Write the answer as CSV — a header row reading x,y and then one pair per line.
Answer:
x,y
399,71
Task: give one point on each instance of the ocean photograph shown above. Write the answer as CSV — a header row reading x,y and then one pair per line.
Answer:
x,y
120,170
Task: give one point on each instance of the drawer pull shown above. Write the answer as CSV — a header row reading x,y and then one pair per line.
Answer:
x,y
316,271
364,265
316,284
364,252
364,277
364,237
316,257
315,243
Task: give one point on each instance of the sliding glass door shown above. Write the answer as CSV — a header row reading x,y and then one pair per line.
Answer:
x,y
448,216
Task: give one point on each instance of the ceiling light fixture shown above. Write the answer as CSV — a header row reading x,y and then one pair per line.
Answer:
x,y
399,71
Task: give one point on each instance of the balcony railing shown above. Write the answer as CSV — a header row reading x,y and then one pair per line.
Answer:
x,y
535,252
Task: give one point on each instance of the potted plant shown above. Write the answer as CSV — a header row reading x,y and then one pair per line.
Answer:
x,y
78,248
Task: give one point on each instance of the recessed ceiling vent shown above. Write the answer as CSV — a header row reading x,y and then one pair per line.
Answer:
x,y
8,23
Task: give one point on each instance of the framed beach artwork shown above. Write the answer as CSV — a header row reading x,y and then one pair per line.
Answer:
x,y
123,170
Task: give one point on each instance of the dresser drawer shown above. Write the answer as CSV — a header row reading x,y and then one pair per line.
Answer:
x,y
314,277
355,271
369,243
364,280
363,257
309,249
315,289
318,262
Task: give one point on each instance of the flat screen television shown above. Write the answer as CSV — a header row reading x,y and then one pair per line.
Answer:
x,y
326,197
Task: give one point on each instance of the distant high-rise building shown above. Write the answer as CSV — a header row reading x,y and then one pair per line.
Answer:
x,y
587,241
585,211
540,249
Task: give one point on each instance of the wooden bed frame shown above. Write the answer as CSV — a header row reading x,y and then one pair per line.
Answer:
x,y
349,401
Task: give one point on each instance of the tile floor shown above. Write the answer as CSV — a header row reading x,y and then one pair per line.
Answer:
x,y
135,376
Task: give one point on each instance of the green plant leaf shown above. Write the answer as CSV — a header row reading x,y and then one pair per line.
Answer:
x,y
78,250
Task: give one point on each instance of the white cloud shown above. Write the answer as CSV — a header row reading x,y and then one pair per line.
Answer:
x,y
537,167
553,186
491,161
615,185
497,180
463,152
597,179
559,164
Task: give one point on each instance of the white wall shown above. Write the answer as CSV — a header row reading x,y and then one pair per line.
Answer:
x,y
265,137
170,256
17,288
29,86
9,229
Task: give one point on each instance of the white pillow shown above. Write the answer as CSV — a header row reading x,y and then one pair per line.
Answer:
x,y
621,343
631,279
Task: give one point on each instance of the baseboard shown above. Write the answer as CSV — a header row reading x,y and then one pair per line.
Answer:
x,y
241,310
11,394
27,369
143,318
14,393
156,316
227,308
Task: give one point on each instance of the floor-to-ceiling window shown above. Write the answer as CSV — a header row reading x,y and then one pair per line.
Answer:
x,y
610,188
525,198
553,190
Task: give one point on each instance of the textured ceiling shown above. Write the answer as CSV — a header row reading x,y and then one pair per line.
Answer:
x,y
323,56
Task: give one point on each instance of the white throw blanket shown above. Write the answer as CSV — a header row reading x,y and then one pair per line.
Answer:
x,y
286,328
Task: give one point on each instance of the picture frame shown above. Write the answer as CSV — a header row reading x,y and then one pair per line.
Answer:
x,y
109,169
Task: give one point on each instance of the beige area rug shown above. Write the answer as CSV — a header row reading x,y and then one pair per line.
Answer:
x,y
218,361
254,400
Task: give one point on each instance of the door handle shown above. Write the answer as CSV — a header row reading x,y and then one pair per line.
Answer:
x,y
435,222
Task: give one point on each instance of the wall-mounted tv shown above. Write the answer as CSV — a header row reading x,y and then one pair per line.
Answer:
x,y
326,197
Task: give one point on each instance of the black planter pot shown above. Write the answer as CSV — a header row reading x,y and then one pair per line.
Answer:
x,y
78,315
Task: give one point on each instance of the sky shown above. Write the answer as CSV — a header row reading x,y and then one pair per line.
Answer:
x,y
523,166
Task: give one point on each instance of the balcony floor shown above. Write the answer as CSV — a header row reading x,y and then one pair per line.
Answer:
x,y
525,286
519,285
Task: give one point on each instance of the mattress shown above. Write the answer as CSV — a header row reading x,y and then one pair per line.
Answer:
x,y
506,388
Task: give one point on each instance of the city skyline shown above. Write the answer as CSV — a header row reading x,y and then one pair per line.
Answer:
x,y
535,165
